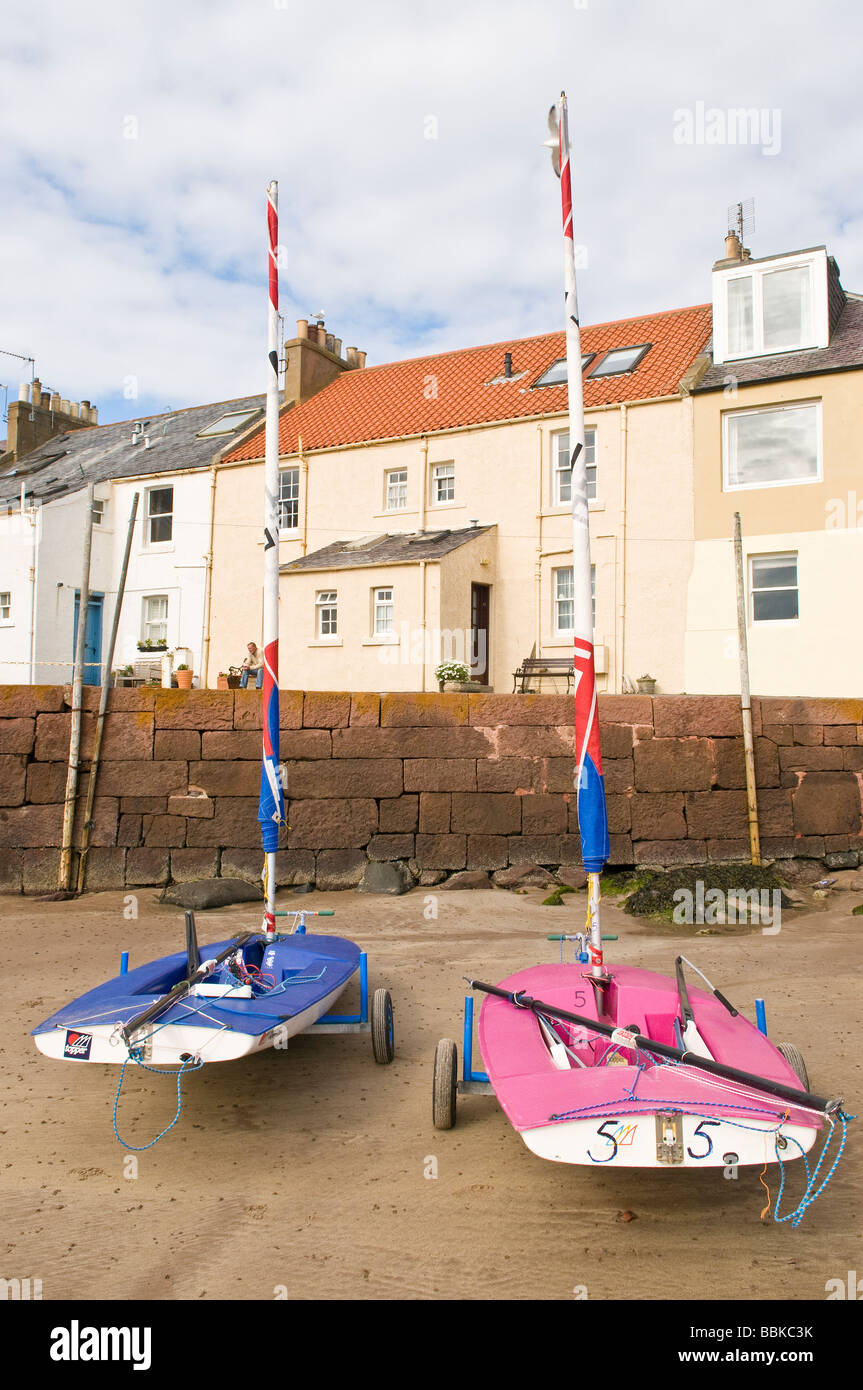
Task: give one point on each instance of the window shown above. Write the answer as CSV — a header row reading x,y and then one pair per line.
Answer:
x,y
770,311
326,605
443,482
5,606
555,375
382,612
620,360
773,586
154,625
397,490
98,511
770,447
160,519
561,471
227,424
564,600
289,499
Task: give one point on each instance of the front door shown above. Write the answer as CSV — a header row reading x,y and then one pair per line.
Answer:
x,y
92,638
480,603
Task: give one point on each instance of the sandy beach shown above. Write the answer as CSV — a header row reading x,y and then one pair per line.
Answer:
x,y
305,1173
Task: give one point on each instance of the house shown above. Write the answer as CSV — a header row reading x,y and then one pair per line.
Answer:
x,y
776,429
167,460
425,512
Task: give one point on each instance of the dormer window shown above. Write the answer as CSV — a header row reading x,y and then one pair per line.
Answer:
x,y
771,306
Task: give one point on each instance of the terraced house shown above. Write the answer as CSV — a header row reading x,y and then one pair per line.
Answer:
x,y
425,510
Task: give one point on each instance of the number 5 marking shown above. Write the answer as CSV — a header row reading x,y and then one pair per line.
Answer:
x,y
702,1134
611,1139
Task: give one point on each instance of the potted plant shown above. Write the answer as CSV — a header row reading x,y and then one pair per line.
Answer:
x,y
454,675
184,676
150,646
646,685
222,681
235,676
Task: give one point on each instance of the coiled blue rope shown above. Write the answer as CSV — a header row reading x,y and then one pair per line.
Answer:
x,y
192,1065
810,1196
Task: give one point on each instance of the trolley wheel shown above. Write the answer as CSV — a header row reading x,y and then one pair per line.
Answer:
x,y
794,1058
445,1084
383,1030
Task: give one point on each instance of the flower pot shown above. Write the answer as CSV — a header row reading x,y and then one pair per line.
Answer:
x,y
646,687
222,682
234,682
184,679
453,686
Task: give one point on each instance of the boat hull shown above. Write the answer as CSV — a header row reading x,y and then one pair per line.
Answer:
x,y
625,1109
311,972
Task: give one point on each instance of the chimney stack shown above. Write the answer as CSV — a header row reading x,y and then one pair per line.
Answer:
x,y
313,359
507,364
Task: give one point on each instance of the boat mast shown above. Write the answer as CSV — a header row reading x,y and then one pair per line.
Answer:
x,y
590,787
271,810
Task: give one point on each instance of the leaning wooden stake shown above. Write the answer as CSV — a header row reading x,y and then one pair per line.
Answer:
x,y
65,882
745,702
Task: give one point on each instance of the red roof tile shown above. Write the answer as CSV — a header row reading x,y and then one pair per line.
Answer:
x,y
452,390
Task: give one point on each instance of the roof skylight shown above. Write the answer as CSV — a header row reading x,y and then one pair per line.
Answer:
x,y
621,360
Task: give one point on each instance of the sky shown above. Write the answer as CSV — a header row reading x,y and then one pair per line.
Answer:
x,y
418,208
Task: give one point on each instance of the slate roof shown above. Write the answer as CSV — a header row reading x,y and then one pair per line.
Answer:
x,y
68,462
844,353
455,389
408,548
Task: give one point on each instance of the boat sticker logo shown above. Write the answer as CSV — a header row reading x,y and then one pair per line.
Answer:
x,y
77,1045
619,1135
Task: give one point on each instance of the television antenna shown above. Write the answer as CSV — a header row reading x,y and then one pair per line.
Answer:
x,y
741,218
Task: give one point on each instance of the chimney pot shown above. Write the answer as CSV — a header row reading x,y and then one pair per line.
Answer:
x,y
24,391
732,247
94,415
351,356
74,410
64,407
85,409
337,347
302,328
330,342
361,359
55,400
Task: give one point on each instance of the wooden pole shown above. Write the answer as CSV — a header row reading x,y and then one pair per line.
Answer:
x,y
103,700
77,682
745,701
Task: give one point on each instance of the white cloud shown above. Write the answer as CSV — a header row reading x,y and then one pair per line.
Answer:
x,y
144,255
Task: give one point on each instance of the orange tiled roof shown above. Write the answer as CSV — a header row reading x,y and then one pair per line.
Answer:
x,y
452,390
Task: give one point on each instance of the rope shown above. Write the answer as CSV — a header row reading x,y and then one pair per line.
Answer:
x,y
810,1196
192,1065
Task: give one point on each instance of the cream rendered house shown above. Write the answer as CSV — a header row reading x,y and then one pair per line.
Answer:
x,y
777,428
426,514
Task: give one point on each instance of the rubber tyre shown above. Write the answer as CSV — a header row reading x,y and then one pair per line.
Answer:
x,y
383,1029
794,1058
445,1084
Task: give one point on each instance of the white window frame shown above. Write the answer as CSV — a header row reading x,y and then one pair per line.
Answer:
x,y
785,556
557,571
383,611
149,517
147,623
728,415
284,474
389,475
439,476
327,603
820,312
558,473
99,509
6,619
224,424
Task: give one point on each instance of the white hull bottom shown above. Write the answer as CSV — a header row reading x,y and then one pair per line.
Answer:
x,y
166,1045
634,1141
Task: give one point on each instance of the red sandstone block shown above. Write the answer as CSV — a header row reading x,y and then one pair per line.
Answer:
x,y
365,709
673,764
542,814
570,848
106,869
838,842
657,816
435,813
827,803
29,827
619,774
143,805
441,851
227,743
180,745
727,851
616,741
345,777
677,716
129,830
841,734
13,778
716,815
507,775
779,733
126,736
625,709
488,711
121,699
808,734
224,778
194,709
811,711
197,807
730,767
535,849
774,812
333,823
423,711
27,701
189,864
384,848
326,709
143,778
233,825
619,813
487,852
559,775
105,814
486,813
146,867
400,813
17,735
163,831
411,743
852,759
523,741
621,851
670,852
812,759
440,775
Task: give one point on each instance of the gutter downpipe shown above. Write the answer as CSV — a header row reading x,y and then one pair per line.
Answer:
x,y
33,519
103,699
65,878
208,584
745,701
620,626
538,566
305,481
